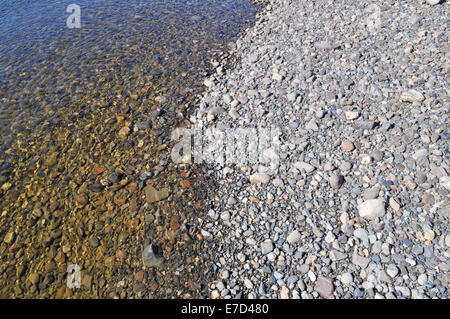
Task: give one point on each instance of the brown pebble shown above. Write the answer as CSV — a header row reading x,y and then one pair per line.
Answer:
x,y
121,201
429,235
139,276
174,225
9,237
98,170
123,133
347,146
14,247
81,200
193,285
185,183
336,181
60,257
33,278
120,254
428,199
394,205
138,287
113,295
154,287
109,261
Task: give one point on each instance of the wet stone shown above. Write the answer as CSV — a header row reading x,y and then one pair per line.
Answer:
x,y
150,259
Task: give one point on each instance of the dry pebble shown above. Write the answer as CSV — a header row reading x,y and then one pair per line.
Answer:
x,y
357,206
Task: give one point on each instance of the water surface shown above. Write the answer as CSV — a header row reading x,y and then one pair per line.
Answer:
x,y
65,94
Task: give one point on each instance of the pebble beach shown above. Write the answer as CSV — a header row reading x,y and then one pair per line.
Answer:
x,y
351,202
359,204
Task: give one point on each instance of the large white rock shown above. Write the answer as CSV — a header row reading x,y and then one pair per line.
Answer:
x,y
411,96
372,208
293,237
259,178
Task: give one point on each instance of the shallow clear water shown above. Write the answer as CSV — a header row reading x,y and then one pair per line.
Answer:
x,y
120,47
64,96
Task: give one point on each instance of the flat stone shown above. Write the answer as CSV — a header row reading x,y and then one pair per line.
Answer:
x,y
277,77
9,237
308,168
422,279
293,237
392,270
124,131
33,278
277,182
324,287
252,58
259,178
329,238
248,284
394,205
411,96
419,154
359,260
266,247
325,45
208,83
292,97
444,181
93,242
347,278
336,181
284,293
428,199
312,126
372,209
371,193
292,279
347,146
345,166
152,195
361,234
365,124
351,115
337,255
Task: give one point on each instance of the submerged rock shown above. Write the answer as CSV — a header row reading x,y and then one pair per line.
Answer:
x,y
149,257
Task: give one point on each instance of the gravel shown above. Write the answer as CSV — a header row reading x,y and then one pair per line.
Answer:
x,y
358,204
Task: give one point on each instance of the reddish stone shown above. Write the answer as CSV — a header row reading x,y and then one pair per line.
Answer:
x,y
185,183
154,287
121,201
139,276
98,170
347,146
